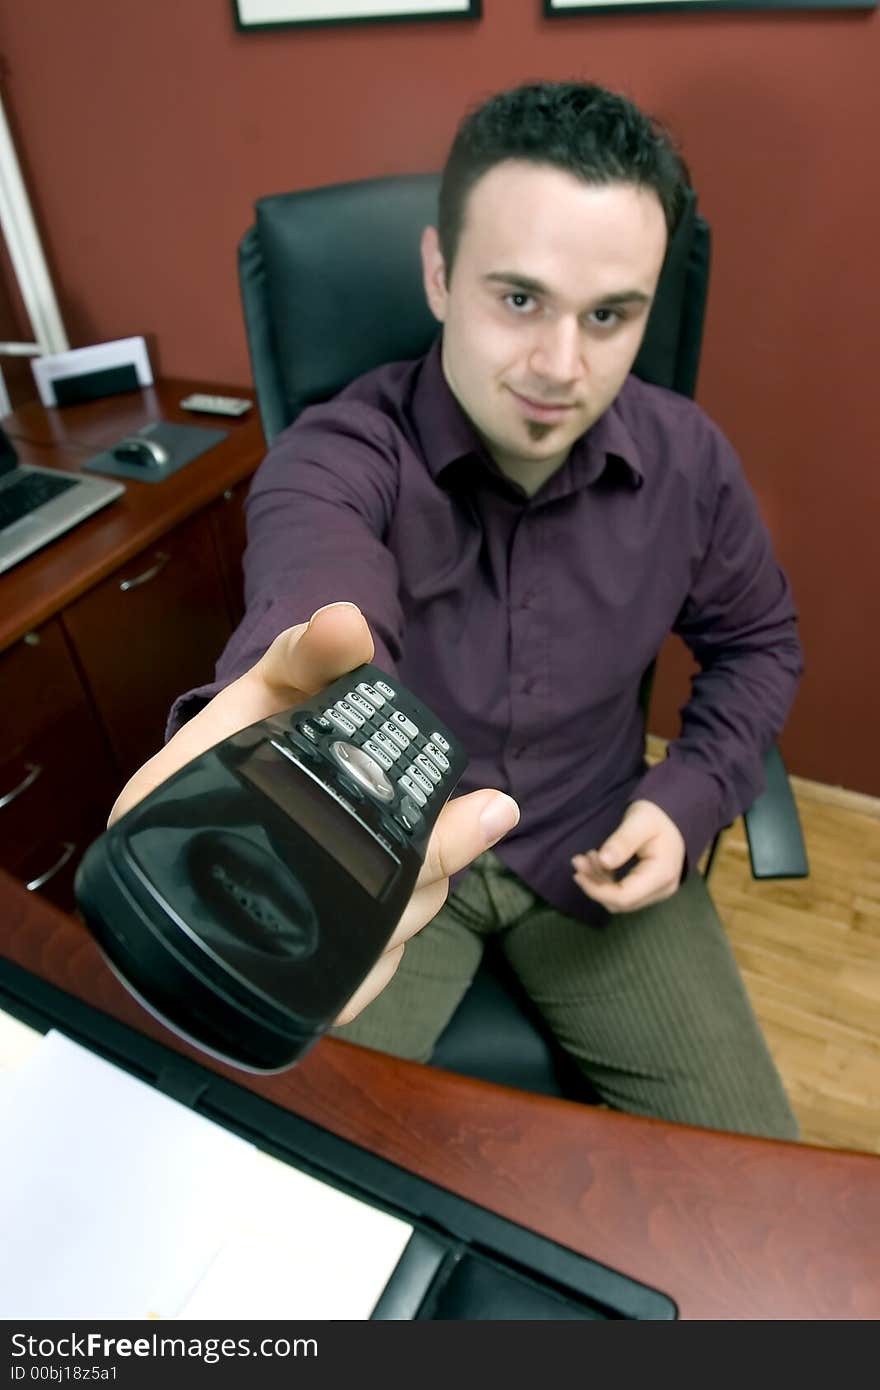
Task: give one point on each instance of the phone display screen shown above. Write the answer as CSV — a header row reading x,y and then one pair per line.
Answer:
x,y
322,816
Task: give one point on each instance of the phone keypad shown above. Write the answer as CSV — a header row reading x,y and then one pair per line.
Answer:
x,y
410,761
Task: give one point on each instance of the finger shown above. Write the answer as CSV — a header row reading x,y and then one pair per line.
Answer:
x,y
627,840
648,882
590,866
421,909
380,975
466,826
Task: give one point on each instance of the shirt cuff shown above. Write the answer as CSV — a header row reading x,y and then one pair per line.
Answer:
x,y
185,706
692,800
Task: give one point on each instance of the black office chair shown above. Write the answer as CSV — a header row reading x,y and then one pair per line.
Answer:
x,y
331,287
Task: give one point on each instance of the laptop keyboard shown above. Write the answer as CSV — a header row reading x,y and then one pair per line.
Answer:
x,y
29,492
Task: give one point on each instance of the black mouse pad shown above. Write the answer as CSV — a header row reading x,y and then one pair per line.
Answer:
x,y
183,442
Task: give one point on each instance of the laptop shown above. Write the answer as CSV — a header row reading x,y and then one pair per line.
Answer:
x,y
38,504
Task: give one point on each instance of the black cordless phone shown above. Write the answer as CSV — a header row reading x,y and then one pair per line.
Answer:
x,y
246,898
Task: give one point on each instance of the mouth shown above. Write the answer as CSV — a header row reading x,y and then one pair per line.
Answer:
x,y
547,412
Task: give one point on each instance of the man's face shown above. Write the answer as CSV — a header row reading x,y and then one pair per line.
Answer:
x,y
546,306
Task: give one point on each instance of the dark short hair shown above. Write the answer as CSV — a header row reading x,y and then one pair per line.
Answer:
x,y
586,130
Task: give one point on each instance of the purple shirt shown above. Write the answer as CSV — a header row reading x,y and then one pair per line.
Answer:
x,y
527,623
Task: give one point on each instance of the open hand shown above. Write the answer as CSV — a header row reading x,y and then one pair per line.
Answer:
x,y
647,834
300,662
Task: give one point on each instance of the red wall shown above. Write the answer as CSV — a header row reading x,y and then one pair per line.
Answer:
x,y
146,131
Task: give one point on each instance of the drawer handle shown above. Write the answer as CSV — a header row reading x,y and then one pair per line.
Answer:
x,y
161,561
68,850
30,777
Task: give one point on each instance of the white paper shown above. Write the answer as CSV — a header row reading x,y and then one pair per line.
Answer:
x,y
17,1041
300,1250
118,1202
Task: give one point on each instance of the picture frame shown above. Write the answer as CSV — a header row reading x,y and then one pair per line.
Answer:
x,y
260,15
560,9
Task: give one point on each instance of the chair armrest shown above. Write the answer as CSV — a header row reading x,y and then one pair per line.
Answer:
x,y
773,828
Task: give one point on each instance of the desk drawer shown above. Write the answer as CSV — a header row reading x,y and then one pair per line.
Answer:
x,y
57,782
148,633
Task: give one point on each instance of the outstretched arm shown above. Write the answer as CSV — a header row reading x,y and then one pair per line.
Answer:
x,y
299,663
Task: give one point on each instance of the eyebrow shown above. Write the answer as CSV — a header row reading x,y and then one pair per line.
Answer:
x,y
530,286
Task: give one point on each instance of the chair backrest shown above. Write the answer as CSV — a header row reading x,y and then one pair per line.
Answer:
x,y
331,287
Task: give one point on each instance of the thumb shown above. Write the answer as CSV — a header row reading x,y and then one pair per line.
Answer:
x,y
303,659
465,827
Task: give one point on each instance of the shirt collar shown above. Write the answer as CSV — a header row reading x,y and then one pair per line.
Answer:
x,y
447,435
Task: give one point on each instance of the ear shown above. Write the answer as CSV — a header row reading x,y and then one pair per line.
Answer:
x,y
434,273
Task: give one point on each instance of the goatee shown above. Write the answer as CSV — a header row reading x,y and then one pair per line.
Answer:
x,y
537,431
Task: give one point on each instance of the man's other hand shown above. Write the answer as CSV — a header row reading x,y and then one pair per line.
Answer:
x,y
299,663
647,835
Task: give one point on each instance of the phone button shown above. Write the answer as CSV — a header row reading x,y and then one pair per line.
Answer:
x,y
431,751
408,727
308,731
371,695
412,790
340,722
364,769
428,768
408,815
378,755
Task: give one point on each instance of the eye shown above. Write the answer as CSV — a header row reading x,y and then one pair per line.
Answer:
x,y
606,318
520,302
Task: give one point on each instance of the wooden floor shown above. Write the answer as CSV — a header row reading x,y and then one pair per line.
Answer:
x,y
809,951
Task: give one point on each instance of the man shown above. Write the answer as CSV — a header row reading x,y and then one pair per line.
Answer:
x,y
522,523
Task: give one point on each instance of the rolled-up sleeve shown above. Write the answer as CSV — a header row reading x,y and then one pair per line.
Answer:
x,y
740,623
317,513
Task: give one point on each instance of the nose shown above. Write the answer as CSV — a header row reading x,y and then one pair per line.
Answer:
x,y
557,354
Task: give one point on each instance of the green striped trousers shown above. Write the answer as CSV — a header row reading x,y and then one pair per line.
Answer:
x,y
651,1007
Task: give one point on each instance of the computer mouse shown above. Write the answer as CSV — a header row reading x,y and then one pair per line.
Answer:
x,y
139,448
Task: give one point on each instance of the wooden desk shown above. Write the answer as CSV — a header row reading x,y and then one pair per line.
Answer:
x,y
49,580
729,1227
